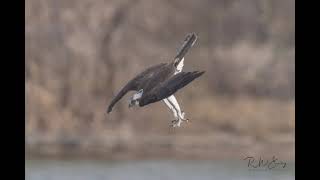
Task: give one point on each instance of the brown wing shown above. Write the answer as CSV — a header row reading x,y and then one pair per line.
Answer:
x,y
169,87
187,44
144,80
128,87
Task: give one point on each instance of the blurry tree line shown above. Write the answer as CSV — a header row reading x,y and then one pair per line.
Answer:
x,y
80,53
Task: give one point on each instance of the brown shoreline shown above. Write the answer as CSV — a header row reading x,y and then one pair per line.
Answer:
x,y
165,147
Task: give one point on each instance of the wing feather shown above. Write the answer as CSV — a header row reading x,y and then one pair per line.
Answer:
x,y
128,87
136,83
169,87
187,44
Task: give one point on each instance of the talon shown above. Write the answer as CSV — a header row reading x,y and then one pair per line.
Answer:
x,y
176,123
182,116
172,125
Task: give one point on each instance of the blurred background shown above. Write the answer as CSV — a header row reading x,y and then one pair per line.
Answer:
x,y
79,54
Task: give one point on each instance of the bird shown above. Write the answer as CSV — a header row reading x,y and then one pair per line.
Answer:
x,y
160,82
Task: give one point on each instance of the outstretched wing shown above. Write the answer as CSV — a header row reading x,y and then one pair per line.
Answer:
x,y
169,87
128,87
137,83
187,44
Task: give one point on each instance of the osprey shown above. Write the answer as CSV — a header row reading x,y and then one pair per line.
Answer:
x,y
160,82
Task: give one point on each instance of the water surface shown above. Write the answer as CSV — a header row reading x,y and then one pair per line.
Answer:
x,y
151,170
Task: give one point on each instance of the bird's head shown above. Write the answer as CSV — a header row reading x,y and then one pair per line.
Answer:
x,y
133,102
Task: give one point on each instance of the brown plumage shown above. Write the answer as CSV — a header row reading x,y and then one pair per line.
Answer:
x,y
160,81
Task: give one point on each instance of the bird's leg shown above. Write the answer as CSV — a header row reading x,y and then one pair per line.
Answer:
x,y
173,105
173,101
175,114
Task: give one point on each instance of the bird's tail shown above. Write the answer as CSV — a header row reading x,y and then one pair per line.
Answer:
x,y
187,44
